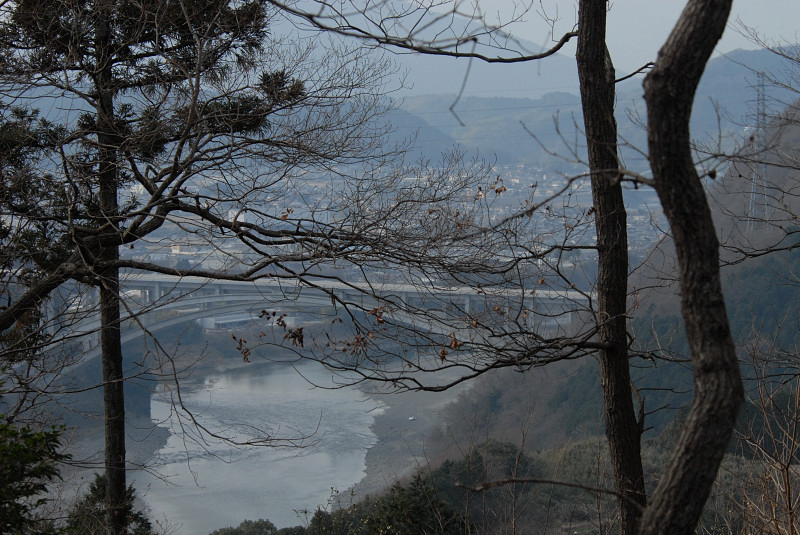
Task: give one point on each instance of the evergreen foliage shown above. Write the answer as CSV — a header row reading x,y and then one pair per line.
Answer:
x,y
28,463
413,509
250,527
87,516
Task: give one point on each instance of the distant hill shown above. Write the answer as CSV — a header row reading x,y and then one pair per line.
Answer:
x,y
437,75
488,119
429,140
496,127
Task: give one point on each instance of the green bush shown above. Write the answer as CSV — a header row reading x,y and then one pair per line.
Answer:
x,y
28,463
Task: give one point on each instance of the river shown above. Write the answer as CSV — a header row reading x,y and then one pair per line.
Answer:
x,y
202,485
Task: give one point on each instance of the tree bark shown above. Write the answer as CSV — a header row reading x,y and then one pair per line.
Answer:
x,y
108,281
669,92
113,401
596,73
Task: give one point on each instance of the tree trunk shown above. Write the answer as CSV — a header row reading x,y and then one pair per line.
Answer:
x,y
669,92
623,431
113,402
108,282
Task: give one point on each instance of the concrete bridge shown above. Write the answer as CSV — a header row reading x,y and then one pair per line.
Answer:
x,y
147,299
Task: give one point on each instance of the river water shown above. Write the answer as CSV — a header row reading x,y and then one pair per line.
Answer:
x,y
210,484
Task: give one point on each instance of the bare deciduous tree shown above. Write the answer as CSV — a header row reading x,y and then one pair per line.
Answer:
x,y
669,92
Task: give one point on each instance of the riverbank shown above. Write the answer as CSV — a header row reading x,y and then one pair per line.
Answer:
x,y
403,436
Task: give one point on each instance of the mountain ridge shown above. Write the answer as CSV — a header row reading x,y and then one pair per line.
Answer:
x,y
528,130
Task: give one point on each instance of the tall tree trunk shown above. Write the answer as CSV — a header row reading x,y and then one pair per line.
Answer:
x,y
596,73
113,400
669,92
108,281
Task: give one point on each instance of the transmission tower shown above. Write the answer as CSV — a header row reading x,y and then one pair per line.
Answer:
x,y
758,210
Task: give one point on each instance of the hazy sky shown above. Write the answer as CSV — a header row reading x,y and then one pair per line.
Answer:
x,y
638,28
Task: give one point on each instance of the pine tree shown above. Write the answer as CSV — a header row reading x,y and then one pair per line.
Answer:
x,y
126,118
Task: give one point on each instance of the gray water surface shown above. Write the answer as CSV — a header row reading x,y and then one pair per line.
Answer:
x,y
210,484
